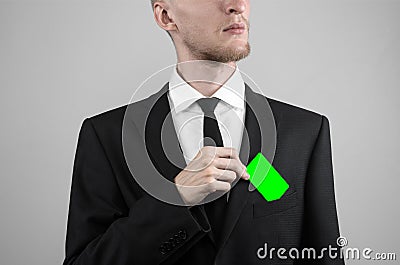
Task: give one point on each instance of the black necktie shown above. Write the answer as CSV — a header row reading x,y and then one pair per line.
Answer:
x,y
212,137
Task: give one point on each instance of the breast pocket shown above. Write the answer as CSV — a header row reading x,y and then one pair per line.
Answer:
x,y
265,208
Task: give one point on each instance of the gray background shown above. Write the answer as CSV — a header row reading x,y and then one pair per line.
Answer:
x,y
62,61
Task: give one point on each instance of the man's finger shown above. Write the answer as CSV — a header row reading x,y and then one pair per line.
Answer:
x,y
227,152
219,186
225,175
233,165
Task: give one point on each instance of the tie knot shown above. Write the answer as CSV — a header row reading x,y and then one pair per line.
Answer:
x,y
208,105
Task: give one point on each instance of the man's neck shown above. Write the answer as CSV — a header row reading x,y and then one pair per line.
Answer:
x,y
205,76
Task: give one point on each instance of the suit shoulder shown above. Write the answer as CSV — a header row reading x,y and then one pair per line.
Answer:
x,y
108,121
114,118
284,106
295,114
110,117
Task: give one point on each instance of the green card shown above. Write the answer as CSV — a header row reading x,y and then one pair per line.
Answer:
x,y
266,179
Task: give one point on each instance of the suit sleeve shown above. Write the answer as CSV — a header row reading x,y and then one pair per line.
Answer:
x,y
102,229
320,224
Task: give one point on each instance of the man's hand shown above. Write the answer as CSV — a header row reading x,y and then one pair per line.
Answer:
x,y
213,169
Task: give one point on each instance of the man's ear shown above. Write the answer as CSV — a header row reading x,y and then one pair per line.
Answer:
x,y
162,16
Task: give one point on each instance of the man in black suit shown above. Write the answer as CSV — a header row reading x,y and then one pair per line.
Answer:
x,y
122,173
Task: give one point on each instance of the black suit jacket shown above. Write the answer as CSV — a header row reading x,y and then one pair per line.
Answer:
x,y
113,220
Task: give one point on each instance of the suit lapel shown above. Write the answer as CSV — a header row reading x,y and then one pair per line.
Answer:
x,y
250,146
161,140
259,136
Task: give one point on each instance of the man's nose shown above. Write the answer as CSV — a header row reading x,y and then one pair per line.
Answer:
x,y
235,6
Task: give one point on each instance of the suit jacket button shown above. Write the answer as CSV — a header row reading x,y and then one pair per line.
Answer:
x,y
182,234
163,249
172,242
177,239
168,246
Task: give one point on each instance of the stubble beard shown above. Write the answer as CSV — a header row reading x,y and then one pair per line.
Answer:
x,y
217,53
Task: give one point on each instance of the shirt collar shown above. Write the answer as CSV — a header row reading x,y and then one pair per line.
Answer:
x,y
183,95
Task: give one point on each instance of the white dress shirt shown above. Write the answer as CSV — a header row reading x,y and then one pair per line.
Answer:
x,y
188,117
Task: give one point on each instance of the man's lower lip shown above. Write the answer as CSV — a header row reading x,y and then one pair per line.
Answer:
x,y
235,31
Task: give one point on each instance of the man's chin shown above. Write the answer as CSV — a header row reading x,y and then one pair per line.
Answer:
x,y
235,54
226,55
